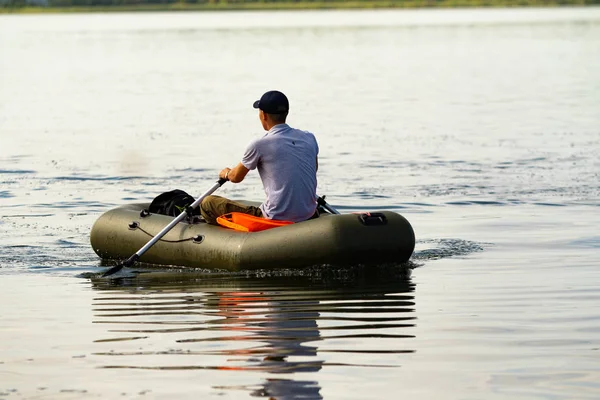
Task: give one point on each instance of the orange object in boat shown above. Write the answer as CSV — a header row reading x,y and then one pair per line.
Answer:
x,y
249,223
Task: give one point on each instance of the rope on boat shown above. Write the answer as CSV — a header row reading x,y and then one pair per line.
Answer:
x,y
193,238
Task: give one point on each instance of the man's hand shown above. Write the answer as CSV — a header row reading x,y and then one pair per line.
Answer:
x,y
224,174
234,175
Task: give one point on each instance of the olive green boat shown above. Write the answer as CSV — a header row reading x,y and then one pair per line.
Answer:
x,y
336,239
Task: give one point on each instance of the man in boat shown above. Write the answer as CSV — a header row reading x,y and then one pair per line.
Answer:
x,y
287,162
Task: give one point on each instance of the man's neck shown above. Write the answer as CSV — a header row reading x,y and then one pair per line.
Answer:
x,y
271,126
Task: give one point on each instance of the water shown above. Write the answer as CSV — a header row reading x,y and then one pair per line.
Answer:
x,y
480,126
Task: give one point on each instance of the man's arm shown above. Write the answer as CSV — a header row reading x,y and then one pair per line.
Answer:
x,y
235,175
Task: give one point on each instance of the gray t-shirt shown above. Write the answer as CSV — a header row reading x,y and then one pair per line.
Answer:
x,y
286,159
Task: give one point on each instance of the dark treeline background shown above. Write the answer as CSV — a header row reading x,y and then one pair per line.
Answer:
x,y
241,4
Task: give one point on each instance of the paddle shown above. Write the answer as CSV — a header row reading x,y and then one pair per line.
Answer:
x,y
321,201
129,262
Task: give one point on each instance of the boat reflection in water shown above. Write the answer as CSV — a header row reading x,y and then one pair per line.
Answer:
x,y
278,324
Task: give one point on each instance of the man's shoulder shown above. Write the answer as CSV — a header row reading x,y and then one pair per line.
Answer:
x,y
254,142
312,137
303,132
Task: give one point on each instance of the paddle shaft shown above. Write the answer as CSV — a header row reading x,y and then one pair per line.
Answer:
x,y
131,260
321,201
177,220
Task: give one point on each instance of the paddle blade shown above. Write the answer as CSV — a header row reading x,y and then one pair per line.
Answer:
x,y
113,270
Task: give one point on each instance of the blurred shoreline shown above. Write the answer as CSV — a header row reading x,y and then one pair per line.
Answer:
x,y
23,7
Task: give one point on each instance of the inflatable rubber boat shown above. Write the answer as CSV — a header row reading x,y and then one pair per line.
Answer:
x,y
336,239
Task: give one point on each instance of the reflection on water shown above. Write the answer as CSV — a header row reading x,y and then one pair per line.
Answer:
x,y
276,325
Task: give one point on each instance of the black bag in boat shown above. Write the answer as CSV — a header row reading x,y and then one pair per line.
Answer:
x,y
172,203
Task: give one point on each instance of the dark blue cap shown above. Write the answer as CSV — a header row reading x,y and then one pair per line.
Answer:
x,y
273,102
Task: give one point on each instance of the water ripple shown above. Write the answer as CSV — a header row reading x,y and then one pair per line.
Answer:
x,y
17,171
445,248
78,178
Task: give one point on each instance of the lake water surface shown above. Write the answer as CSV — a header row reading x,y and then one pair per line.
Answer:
x,y
481,127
